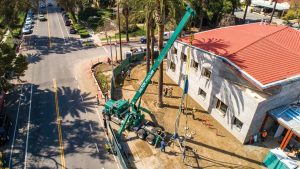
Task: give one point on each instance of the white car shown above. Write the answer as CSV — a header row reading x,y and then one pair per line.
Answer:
x,y
28,21
28,25
167,35
26,30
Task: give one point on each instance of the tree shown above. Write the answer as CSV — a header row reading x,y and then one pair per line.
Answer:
x,y
160,9
293,12
11,66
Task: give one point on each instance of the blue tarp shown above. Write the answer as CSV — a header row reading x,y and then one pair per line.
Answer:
x,y
288,116
277,159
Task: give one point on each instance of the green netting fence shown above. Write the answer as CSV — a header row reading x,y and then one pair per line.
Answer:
x,y
135,58
117,148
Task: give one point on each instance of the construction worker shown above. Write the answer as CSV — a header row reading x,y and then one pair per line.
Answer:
x,y
97,98
108,60
129,72
166,89
104,123
162,146
170,92
182,108
107,147
183,154
193,112
122,74
264,135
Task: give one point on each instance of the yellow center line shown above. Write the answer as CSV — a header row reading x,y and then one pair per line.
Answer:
x,y
58,121
49,31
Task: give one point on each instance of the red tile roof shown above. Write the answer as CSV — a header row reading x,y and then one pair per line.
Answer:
x,y
267,53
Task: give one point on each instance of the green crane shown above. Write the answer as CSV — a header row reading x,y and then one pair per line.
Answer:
x,y
135,111
131,110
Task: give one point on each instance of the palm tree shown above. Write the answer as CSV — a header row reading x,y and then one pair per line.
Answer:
x,y
126,12
160,9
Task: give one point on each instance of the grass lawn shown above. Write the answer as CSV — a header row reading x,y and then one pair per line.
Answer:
x,y
139,32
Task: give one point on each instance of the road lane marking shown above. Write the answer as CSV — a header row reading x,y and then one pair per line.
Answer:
x,y
58,121
14,136
91,127
105,133
28,127
105,49
49,32
97,148
61,29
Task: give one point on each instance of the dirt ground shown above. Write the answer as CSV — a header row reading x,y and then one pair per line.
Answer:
x,y
210,145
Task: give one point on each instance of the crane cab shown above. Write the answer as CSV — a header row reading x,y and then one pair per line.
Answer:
x,y
116,110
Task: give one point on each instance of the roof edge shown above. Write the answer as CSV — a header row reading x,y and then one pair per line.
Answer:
x,y
248,76
237,68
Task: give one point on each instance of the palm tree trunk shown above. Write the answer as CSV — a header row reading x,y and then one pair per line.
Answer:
x,y
152,45
127,35
201,22
148,43
161,27
273,11
246,10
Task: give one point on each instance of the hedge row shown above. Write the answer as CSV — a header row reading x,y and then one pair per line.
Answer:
x,y
82,31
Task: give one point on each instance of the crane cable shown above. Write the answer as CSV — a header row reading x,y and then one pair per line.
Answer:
x,y
191,38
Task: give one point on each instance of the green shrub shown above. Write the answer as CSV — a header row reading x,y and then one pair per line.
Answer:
x,y
16,32
84,34
94,22
87,12
101,78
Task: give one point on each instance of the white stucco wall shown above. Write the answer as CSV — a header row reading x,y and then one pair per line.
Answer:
x,y
241,103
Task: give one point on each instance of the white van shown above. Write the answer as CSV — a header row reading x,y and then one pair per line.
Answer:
x,y
167,35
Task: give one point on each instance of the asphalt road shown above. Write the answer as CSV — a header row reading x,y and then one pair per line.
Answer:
x,y
55,123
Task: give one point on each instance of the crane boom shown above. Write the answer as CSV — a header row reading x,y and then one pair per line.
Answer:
x,y
162,55
134,116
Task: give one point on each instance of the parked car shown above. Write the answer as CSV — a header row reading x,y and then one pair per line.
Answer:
x,y
73,30
42,18
66,17
28,21
28,25
5,126
26,30
143,40
42,6
68,23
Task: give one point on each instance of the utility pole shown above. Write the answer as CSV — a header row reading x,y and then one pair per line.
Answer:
x,y
119,23
112,71
116,45
273,11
